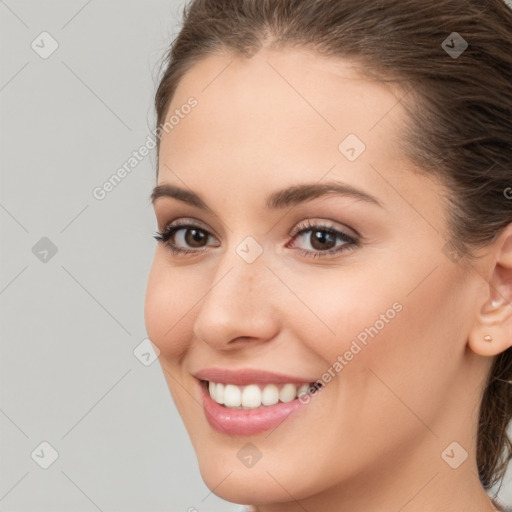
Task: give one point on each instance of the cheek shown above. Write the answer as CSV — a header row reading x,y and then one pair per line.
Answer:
x,y
165,305
405,372
167,309
340,307
398,341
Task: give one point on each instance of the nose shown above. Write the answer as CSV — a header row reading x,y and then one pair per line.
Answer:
x,y
239,306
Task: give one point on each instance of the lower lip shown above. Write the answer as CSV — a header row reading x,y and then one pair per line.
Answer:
x,y
246,422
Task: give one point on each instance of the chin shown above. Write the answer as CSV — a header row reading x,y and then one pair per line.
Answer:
x,y
243,486
268,481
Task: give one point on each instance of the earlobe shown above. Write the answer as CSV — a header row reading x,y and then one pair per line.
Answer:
x,y
492,330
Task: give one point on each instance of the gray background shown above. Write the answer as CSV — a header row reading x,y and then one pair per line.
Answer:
x,y
72,320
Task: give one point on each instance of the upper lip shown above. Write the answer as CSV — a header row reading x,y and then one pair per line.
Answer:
x,y
243,377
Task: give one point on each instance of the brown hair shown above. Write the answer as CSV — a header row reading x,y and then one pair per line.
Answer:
x,y
460,112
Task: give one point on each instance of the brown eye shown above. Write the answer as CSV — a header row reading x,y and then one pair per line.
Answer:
x,y
184,238
322,239
194,237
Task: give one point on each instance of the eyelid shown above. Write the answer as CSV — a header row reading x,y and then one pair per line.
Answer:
x,y
312,222
350,240
324,223
186,221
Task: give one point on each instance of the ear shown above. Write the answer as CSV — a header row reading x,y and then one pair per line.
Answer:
x,y
491,333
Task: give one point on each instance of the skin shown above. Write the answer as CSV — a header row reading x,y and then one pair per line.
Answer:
x,y
372,439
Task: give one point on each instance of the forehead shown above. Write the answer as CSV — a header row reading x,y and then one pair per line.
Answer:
x,y
280,116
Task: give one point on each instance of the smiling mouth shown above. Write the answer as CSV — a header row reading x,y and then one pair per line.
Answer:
x,y
254,396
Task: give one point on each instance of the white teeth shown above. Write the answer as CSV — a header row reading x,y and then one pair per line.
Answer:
x,y
270,395
251,396
212,388
219,393
288,393
232,396
301,391
254,395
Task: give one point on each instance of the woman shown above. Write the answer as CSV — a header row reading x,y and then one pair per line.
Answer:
x,y
331,293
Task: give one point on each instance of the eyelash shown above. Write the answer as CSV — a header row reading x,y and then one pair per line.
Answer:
x,y
350,242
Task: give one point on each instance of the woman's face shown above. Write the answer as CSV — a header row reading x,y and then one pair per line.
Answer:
x,y
376,308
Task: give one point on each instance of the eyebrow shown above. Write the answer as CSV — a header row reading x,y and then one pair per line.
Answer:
x,y
279,199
